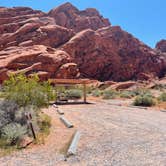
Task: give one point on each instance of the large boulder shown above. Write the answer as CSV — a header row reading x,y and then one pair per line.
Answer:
x,y
25,141
68,70
113,54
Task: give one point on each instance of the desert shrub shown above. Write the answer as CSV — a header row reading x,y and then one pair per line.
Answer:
x,y
22,96
13,132
7,112
144,100
20,116
27,91
10,112
109,94
127,94
162,97
96,93
44,123
74,94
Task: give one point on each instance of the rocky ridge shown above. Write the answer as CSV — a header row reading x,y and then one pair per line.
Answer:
x,y
68,43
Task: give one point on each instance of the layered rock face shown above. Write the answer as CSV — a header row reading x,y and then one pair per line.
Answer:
x,y
45,61
68,43
111,53
70,17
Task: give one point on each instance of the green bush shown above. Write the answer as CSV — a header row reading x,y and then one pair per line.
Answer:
x,y
27,91
21,96
96,93
13,132
109,94
144,100
162,97
73,94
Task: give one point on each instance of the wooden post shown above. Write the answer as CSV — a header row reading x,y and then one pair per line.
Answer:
x,y
84,92
29,119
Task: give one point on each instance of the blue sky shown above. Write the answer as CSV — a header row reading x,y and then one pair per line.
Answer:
x,y
145,19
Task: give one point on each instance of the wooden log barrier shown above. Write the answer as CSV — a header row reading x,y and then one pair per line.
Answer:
x,y
73,146
66,122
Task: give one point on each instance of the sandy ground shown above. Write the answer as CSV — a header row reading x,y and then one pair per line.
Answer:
x,y
111,135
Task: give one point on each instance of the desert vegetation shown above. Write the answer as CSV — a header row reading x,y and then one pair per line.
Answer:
x,y
22,96
139,96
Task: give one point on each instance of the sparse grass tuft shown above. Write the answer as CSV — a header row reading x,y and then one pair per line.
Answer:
x,y
44,124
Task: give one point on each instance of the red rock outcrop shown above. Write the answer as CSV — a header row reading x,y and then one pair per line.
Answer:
x,y
68,43
69,16
161,45
46,62
113,54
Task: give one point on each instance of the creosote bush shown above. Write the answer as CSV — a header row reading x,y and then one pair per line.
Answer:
x,y
27,91
22,95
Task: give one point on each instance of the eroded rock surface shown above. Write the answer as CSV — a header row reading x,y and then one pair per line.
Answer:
x,y
68,43
39,59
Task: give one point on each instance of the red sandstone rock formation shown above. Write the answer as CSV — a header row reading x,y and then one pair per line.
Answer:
x,y
68,43
45,61
113,54
161,45
70,17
